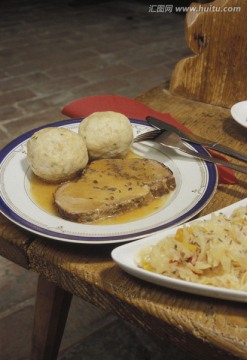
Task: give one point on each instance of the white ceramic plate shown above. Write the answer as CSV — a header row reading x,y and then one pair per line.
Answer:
x,y
124,257
239,113
196,184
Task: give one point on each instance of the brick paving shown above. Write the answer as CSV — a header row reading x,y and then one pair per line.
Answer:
x,y
51,54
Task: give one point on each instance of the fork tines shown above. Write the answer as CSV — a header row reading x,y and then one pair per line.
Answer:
x,y
149,135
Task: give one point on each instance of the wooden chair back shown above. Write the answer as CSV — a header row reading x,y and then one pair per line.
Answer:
x,y
217,74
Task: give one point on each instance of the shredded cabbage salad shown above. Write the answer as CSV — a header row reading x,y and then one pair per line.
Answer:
x,y
211,252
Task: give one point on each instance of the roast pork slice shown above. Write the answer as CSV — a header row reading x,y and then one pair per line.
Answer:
x,y
109,187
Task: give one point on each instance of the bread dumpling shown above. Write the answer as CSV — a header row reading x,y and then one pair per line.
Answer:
x,y
56,154
108,134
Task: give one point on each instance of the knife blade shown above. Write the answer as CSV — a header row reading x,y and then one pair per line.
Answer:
x,y
196,139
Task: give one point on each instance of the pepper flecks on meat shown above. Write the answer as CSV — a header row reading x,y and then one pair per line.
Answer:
x,y
112,187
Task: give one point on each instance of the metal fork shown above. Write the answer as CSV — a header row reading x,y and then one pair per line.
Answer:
x,y
149,135
172,140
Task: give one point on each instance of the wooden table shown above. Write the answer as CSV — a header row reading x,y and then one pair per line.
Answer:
x,y
206,327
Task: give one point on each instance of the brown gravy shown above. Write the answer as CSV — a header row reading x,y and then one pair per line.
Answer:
x,y
42,194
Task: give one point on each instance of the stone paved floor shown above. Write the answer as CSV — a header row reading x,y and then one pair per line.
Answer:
x,y
51,54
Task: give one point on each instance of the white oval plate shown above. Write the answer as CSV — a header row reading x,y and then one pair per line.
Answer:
x,y
239,113
124,256
196,183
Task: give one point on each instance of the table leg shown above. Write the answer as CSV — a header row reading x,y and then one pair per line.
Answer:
x,y
50,315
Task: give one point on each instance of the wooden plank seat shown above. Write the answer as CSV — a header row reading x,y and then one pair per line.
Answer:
x,y
206,327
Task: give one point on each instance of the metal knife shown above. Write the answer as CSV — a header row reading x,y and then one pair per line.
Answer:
x,y
195,139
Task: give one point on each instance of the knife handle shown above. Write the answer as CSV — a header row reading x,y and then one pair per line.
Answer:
x,y
236,167
228,151
195,139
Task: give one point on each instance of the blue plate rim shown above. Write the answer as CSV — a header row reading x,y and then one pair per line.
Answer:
x,y
11,215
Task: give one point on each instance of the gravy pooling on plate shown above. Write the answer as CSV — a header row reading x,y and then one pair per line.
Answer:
x,y
43,195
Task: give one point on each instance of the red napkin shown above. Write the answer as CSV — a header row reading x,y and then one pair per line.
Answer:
x,y
136,110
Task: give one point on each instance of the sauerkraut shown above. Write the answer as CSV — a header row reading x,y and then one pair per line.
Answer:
x,y
211,252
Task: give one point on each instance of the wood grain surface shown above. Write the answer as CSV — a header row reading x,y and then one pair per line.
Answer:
x,y
216,72
203,326
14,242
